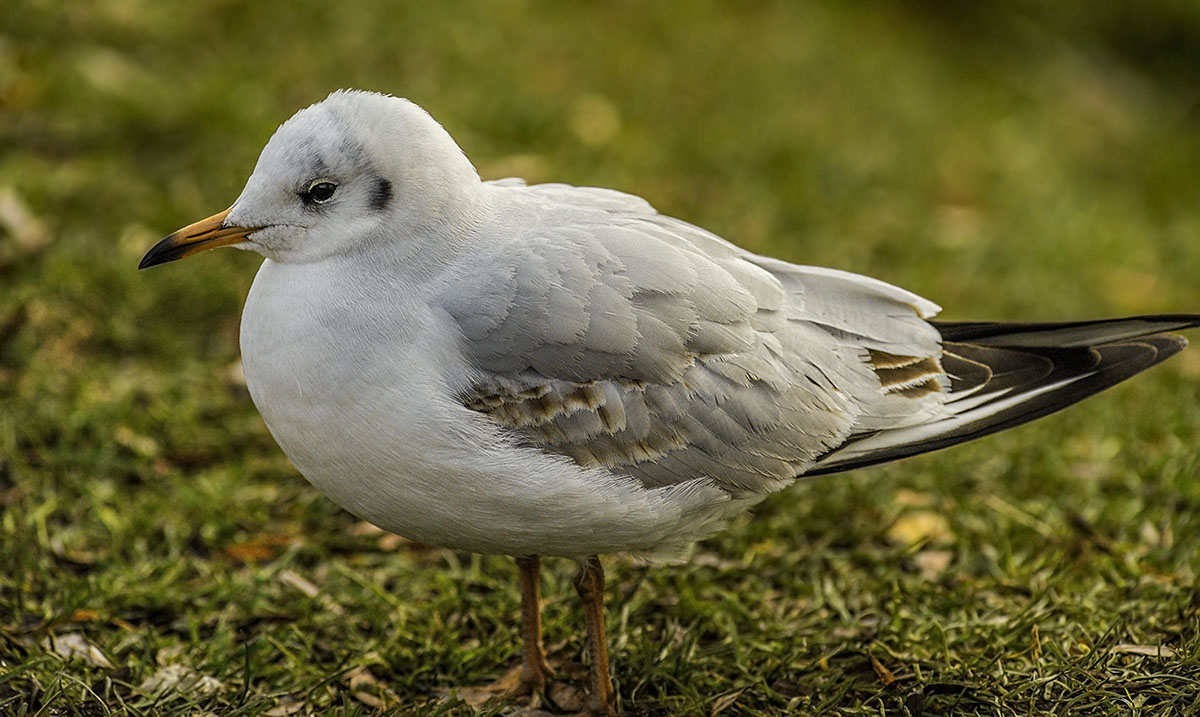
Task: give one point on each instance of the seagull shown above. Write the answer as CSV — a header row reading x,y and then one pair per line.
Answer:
x,y
559,371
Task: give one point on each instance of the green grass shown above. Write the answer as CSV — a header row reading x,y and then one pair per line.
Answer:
x,y
1007,161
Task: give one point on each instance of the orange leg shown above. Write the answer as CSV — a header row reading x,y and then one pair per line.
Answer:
x,y
533,675
535,671
589,583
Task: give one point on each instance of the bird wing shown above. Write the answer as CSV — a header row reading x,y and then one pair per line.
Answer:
x,y
607,333
1005,374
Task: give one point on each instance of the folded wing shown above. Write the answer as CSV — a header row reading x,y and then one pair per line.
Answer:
x,y
620,338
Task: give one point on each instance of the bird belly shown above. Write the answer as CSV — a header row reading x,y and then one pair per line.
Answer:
x,y
377,427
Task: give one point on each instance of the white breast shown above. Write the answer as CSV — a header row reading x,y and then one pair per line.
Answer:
x,y
364,404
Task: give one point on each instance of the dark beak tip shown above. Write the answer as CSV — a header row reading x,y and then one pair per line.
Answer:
x,y
160,253
200,236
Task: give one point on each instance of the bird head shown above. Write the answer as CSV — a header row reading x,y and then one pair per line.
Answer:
x,y
355,170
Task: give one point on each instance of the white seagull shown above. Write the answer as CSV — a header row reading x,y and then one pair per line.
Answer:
x,y
562,371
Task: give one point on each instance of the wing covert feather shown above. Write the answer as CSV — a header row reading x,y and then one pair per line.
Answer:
x,y
621,338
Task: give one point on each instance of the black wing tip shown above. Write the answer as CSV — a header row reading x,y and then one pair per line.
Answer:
x,y
1118,361
966,331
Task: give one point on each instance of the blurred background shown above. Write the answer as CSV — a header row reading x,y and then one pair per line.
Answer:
x,y
1008,160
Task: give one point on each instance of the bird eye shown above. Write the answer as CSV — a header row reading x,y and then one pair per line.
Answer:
x,y
320,192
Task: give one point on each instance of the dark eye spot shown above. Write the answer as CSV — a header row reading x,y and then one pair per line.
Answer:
x,y
381,194
319,192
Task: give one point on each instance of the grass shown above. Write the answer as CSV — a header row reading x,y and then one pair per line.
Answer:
x,y
1006,160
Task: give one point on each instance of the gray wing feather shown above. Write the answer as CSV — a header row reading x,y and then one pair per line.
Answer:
x,y
621,338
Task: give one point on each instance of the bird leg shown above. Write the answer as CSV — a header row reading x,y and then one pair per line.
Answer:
x,y
533,675
535,671
589,583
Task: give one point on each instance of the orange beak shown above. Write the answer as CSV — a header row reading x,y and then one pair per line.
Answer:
x,y
205,234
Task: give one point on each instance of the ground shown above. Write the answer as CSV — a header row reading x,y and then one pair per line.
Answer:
x,y
1007,160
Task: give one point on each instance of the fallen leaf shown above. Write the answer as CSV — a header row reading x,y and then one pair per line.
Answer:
x,y
481,695
390,542
919,526
724,702
288,705
169,654
18,221
140,444
884,674
360,676
1146,650
291,579
932,563
567,697
912,499
362,527
181,679
258,549
74,646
